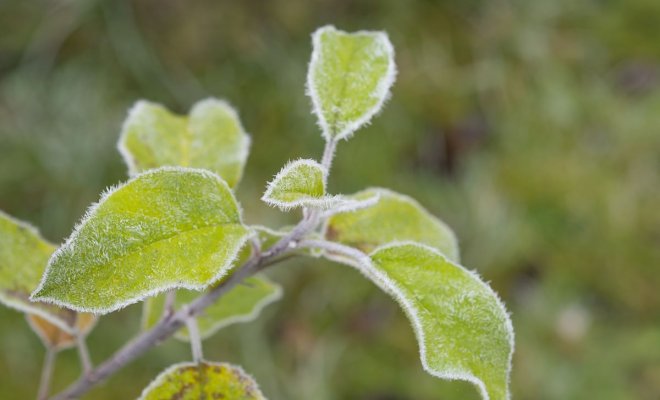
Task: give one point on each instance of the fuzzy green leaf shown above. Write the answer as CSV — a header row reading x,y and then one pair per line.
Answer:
x,y
394,217
463,329
211,137
24,255
349,78
241,304
206,380
300,183
165,228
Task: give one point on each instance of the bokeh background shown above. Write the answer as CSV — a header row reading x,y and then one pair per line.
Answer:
x,y
532,127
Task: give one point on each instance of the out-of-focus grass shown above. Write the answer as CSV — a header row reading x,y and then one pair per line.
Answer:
x,y
532,127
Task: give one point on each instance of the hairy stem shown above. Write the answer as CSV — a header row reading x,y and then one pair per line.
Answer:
x,y
329,153
46,374
336,248
170,299
169,324
83,353
195,340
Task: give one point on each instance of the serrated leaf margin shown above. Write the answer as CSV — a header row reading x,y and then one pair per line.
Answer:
x,y
366,267
223,270
382,91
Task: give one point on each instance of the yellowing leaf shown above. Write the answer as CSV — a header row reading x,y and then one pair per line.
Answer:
x,y
349,78
394,217
241,304
54,337
463,329
166,228
211,137
206,380
300,183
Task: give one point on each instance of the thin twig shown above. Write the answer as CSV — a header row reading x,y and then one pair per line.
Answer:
x,y
46,373
329,153
83,353
170,300
195,340
166,327
337,248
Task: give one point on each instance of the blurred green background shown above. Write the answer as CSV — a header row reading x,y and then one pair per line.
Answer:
x,y
530,126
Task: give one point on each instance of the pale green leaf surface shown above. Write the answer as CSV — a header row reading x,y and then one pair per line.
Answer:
x,y
394,217
211,137
463,329
349,78
24,254
241,304
300,183
205,380
165,228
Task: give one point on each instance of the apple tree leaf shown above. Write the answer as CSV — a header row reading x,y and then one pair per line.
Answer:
x,y
204,380
462,327
211,137
394,217
300,183
349,78
165,228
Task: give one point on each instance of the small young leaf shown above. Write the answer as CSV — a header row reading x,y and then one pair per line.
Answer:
x,y
463,329
300,183
349,78
205,380
212,138
241,304
55,338
395,217
166,228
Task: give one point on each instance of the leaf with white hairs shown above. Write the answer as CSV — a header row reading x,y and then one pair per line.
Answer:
x,y
462,327
204,380
394,217
165,228
349,78
300,183
211,137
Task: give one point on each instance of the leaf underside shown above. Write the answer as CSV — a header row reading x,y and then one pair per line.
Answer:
x,y
462,328
349,78
241,304
394,217
205,380
166,228
211,137
55,338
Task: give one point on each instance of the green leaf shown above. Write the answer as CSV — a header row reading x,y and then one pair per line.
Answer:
x,y
300,183
463,329
166,228
395,217
241,304
23,258
206,380
349,78
212,138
